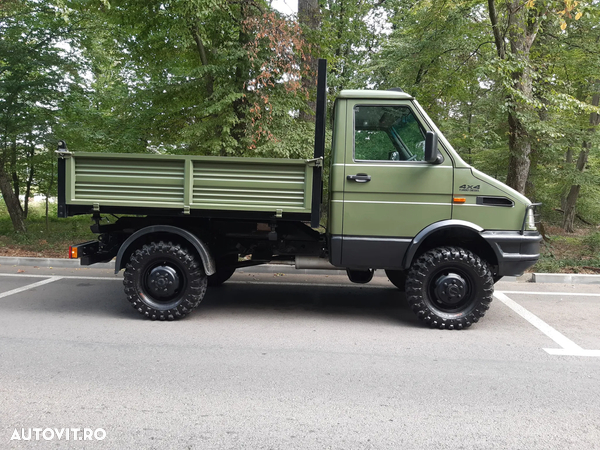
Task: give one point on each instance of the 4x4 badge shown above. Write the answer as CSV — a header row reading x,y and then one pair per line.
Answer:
x,y
469,188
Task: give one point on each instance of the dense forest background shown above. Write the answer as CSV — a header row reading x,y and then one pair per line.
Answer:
x,y
513,84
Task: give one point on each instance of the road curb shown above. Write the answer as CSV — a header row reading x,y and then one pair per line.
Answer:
x,y
566,278
289,269
49,262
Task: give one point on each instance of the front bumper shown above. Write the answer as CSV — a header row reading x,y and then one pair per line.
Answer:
x,y
515,251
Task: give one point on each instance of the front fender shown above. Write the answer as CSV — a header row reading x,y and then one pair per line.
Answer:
x,y
433,228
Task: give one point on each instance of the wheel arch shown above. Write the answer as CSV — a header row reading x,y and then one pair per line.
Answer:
x,y
451,233
164,232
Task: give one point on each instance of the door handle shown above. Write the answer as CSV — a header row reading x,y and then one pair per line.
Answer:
x,y
359,178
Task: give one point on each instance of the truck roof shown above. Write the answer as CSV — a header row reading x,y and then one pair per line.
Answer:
x,y
374,94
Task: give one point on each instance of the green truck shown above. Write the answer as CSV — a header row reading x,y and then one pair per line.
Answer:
x,y
400,199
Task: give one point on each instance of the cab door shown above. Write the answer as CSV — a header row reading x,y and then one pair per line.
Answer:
x,y
390,193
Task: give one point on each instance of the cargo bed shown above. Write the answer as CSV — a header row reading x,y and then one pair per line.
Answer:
x,y
197,185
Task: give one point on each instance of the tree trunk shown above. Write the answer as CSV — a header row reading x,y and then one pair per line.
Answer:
x,y
49,191
522,31
195,31
28,183
47,221
15,177
571,201
570,211
239,129
520,149
309,16
519,143
27,193
12,202
565,192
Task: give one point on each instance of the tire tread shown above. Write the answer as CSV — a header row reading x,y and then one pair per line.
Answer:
x,y
196,288
415,288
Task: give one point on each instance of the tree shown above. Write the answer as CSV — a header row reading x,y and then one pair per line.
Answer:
x,y
193,76
567,88
351,36
515,29
34,74
491,76
309,17
440,52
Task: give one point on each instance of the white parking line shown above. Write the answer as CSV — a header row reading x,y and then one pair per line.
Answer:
x,y
569,348
553,293
66,277
29,286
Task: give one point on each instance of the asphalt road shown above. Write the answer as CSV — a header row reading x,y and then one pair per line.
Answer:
x,y
294,362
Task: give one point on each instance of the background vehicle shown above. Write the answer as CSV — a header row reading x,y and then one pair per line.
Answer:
x,y
400,199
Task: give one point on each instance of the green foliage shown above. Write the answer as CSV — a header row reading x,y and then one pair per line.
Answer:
x,y
572,254
34,71
351,35
592,242
51,241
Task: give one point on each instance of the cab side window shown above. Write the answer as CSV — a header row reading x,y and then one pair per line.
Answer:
x,y
387,133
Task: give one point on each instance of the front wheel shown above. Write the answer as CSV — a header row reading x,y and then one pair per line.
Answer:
x,y
449,287
164,281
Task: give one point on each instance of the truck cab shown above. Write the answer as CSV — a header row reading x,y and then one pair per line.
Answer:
x,y
387,202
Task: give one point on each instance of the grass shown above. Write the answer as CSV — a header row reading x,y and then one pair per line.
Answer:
x,y
52,242
562,252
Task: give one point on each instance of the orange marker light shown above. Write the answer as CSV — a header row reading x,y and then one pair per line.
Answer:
x,y
459,200
72,252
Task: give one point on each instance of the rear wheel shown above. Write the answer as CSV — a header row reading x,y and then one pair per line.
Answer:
x,y
164,281
397,277
449,287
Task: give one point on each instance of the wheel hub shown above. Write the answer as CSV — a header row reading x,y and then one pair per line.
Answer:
x,y
163,281
451,289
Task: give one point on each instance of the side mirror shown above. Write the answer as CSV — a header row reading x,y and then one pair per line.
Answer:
x,y
432,154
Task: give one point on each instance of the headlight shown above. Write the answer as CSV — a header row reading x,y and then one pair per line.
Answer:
x,y
530,219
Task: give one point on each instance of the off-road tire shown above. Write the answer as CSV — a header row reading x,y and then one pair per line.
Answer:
x,y
435,304
189,271
397,278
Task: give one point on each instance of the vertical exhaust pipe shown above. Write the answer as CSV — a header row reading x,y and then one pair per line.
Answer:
x,y
320,122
